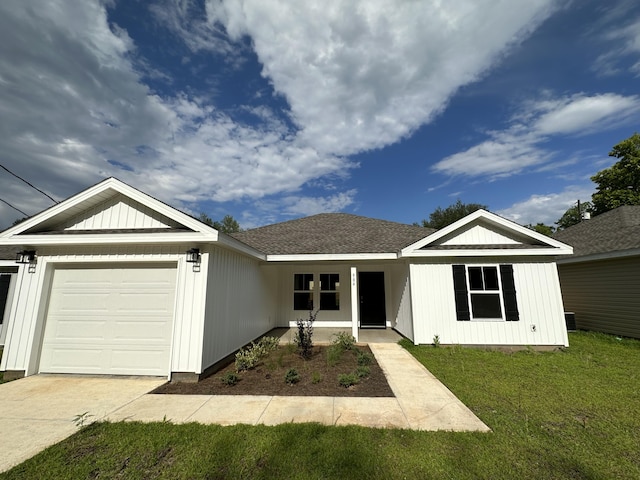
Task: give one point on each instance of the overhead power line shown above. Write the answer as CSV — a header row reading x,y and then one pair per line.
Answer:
x,y
31,185
4,201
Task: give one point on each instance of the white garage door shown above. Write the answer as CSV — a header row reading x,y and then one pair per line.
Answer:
x,y
109,321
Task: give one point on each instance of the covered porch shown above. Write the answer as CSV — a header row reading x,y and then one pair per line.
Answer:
x,y
324,335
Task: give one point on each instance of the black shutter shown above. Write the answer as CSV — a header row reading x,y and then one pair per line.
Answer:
x,y
509,294
460,290
4,293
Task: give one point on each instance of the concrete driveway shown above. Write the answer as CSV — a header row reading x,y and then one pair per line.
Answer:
x,y
38,411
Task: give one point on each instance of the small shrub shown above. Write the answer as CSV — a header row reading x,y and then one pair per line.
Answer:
x,y
344,340
303,336
334,354
316,377
347,380
363,371
230,379
250,356
436,341
364,358
292,376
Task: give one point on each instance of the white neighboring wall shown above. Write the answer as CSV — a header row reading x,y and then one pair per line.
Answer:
x,y
538,296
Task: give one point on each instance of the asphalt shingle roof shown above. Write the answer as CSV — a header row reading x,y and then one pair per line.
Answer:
x,y
332,233
613,231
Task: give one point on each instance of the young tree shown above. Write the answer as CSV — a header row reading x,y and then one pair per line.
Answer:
x,y
227,225
619,184
440,217
542,228
574,216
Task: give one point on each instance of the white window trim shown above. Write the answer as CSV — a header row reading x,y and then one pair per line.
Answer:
x,y
485,292
316,291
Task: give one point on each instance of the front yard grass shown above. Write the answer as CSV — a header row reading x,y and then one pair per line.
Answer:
x,y
573,414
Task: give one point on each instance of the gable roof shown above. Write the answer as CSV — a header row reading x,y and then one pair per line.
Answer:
x,y
483,233
332,233
615,233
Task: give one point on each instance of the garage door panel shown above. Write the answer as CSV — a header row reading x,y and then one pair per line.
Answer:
x,y
109,321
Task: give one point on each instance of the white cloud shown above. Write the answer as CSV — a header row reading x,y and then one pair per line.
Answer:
x,y
360,75
546,208
357,76
620,28
521,145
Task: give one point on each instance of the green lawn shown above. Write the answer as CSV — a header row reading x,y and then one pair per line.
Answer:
x,y
572,414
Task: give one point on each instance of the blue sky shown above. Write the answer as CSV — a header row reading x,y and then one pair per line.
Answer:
x,y
270,110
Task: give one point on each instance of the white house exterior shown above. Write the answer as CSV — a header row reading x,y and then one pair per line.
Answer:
x,y
112,287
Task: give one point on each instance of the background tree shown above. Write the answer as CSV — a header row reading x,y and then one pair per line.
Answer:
x,y
542,228
227,225
441,217
619,184
574,216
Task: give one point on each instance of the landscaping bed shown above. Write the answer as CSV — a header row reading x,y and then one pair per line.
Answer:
x,y
317,375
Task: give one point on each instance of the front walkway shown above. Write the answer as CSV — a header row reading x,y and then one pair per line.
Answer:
x,y
421,403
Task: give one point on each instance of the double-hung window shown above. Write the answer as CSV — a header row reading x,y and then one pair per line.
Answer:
x,y
485,292
307,287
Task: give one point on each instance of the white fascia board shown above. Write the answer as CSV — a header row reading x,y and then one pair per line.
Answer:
x,y
503,252
323,257
237,245
105,239
491,217
117,185
599,256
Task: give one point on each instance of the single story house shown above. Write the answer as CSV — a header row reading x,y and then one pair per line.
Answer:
x,y
113,281
601,280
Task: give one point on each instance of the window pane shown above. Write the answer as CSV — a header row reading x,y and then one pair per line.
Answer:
x,y
491,278
303,281
303,301
486,305
329,281
330,301
475,278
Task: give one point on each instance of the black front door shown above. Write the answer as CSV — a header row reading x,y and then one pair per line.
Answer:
x,y
372,304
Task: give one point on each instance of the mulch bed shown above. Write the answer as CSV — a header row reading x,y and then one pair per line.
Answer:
x,y
267,378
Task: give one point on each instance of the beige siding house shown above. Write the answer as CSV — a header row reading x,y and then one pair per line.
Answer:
x,y
601,281
113,281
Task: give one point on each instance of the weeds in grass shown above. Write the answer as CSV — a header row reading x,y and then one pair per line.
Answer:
x,y
80,419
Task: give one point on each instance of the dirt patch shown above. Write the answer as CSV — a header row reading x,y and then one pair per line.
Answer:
x,y
318,377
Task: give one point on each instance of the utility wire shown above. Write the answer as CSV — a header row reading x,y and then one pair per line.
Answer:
x,y
4,201
31,185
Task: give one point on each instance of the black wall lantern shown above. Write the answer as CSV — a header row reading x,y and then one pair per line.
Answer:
x,y
26,256
193,255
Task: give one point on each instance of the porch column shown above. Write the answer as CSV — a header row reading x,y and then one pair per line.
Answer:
x,y
355,303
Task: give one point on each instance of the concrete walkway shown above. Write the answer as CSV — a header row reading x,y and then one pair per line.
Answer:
x,y
38,411
421,403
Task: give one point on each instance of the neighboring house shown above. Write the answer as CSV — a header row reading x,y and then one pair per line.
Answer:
x,y
8,277
601,280
117,282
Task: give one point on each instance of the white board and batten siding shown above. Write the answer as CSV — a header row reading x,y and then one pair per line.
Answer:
x,y
117,212
479,235
239,307
604,294
28,323
539,305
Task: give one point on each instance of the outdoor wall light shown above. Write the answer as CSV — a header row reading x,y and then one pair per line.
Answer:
x,y
193,255
26,256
